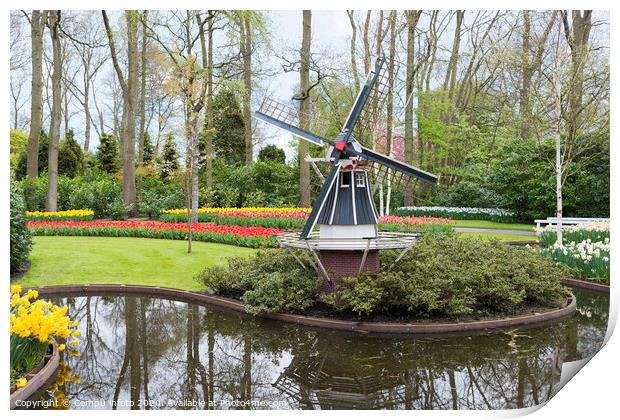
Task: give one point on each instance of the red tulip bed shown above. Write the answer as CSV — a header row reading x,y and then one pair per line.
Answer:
x,y
248,236
424,224
277,220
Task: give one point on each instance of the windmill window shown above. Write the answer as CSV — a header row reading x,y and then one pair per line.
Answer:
x,y
360,179
345,179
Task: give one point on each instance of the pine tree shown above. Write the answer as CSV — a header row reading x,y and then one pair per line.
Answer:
x,y
148,151
20,169
107,154
70,156
169,157
229,127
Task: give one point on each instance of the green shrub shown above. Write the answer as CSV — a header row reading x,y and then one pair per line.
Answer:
x,y
444,275
271,281
282,292
21,242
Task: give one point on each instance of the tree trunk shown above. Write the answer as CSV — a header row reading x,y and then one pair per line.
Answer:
x,y
412,21
209,133
54,137
390,103
304,84
356,77
38,20
450,80
246,51
141,133
87,116
130,110
526,78
578,42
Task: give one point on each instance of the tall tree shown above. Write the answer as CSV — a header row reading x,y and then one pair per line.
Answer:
x,y
389,132
54,139
412,21
129,87
245,46
356,77
529,66
449,83
37,26
143,71
304,105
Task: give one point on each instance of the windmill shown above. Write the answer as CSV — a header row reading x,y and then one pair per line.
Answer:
x,y
348,238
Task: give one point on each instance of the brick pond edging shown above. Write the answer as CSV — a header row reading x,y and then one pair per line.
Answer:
x,y
38,377
421,328
590,286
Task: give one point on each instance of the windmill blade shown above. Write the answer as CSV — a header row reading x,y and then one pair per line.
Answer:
x,y
316,209
393,164
362,97
286,118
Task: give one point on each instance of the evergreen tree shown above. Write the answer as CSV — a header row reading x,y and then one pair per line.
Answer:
x,y
107,154
272,153
169,157
148,151
228,127
22,162
70,156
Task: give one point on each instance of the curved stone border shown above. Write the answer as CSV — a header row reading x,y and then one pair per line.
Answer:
x,y
37,377
586,285
422,328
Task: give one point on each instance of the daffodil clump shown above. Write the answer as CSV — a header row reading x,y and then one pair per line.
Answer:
x,y
71,215
34,325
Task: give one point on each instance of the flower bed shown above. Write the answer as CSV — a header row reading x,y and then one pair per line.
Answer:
x,y
415,224
289,220
253,237
595,232
590,259
34,325
179,215
67,215
294,219
585,248
458,213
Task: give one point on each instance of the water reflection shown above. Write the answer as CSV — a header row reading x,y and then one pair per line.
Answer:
x,y
150,353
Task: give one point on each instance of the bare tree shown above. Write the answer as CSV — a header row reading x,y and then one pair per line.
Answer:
x,y
304,102
413,17
449,83
129,88
37,26
54,137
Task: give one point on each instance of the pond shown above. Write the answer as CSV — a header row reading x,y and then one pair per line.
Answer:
x,y
152,353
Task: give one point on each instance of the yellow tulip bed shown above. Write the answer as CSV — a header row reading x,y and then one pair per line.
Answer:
x,y
57,216
34,325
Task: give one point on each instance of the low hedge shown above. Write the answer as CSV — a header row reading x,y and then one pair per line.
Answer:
x,y
458,213
442,276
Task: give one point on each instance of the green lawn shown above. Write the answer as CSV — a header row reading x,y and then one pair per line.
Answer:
x,y
504,237
485,224
60,260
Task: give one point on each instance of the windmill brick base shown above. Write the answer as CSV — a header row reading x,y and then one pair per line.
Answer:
x,y
340,264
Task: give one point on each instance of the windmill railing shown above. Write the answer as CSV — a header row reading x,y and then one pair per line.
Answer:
x,y
383,240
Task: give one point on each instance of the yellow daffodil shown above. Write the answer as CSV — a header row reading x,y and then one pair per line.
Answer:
x,y
21,382
74,342
16,289
61,347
